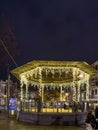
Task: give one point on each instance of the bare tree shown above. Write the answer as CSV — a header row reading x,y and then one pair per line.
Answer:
x,y
8,44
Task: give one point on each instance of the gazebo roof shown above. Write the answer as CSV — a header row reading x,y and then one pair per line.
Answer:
x,y
39,63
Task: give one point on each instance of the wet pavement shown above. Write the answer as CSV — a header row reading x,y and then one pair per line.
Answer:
x,y
12,124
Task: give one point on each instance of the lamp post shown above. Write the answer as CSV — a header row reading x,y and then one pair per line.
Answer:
x,y
8,93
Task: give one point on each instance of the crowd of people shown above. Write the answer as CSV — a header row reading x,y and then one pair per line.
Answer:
x,y
92,118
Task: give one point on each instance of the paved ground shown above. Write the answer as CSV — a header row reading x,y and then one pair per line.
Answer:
x,y
12,124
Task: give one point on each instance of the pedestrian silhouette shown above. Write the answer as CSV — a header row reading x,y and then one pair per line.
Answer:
x,y
96,112
91,120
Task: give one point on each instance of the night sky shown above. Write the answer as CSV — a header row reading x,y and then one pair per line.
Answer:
x,y
53,29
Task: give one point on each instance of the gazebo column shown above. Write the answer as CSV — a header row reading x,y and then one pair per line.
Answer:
x,y
74,91
27,85
40,82
42,92
21,90
60,92
78,92
87,88
53,73
74,85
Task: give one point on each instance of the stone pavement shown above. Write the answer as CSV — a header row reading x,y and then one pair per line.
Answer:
x,y
3,115
12,124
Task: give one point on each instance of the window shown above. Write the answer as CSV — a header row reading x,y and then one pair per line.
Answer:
x,y
96,67
95,91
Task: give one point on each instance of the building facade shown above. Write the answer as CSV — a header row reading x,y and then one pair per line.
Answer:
x,y
7,89
3,94
94,83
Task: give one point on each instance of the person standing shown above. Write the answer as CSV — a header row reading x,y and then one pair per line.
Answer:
x,y
64,106
96,112
91,120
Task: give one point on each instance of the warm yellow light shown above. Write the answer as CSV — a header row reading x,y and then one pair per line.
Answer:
x,y
66,94
12,112
81,76
5,96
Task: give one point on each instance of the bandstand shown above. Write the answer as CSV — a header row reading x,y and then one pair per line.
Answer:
x,y
54,81
69,77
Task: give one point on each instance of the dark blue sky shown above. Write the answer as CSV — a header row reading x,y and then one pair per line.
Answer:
x,y
53,29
